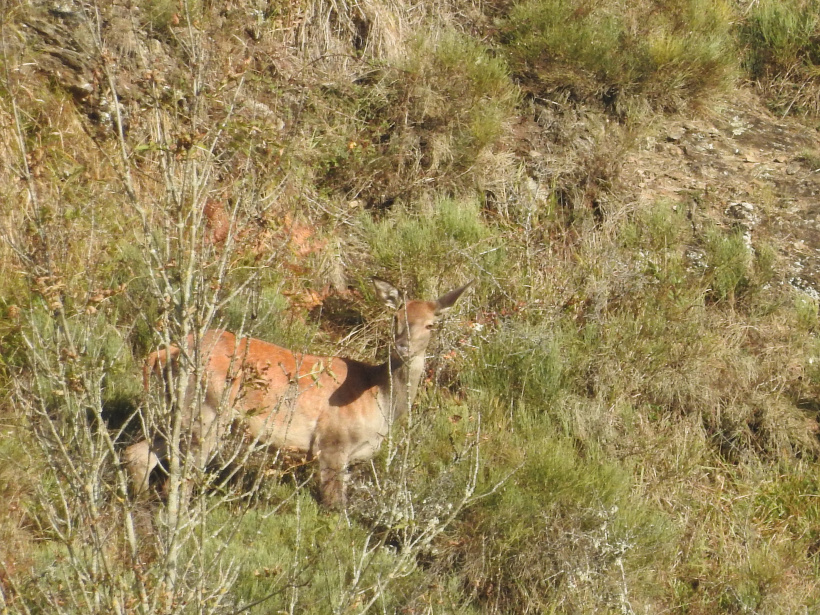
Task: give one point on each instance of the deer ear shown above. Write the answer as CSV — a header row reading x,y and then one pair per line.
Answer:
x,y
388,293
448,300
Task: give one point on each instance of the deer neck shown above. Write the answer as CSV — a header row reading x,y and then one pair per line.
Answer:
x,y
401,382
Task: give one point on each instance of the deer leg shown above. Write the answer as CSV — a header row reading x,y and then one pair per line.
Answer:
x,y
333,477
140,460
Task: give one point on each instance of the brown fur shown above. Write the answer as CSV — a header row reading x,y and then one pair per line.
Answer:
x,y
336,409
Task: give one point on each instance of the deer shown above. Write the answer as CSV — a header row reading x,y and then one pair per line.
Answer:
x,y
333,409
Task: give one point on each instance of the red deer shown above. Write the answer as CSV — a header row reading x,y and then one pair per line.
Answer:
x,y
336,409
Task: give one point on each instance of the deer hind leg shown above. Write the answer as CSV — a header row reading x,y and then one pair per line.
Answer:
x,y
140,460
333,477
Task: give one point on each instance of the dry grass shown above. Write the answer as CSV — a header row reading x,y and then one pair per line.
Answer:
x,y
781,46
644,422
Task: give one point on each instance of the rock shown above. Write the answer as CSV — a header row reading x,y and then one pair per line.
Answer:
x,y
804,286
741,210
745,215
675,134
696,258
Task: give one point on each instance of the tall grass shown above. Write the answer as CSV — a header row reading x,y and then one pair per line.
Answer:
x,y
417,245
782,52
441,113
626,55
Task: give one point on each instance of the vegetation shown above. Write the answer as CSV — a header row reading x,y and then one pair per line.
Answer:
x,y
625,54
782,42
621,415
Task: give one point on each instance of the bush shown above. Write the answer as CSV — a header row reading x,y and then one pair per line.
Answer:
x,y
458,85
623,54
439,114
782,39
562,535
728,264
524,367
451,236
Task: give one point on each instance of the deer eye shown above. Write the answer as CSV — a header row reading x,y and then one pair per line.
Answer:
x,y
431,326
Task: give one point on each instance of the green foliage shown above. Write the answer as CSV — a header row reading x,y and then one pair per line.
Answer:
x,y
11,340
559,532
460,87
623,53
781,34
522,366
662,228
424,246
811,158
765,263
264,546
783,50
729,264
16,489
806,311
100,349
440,112
269,315
789,500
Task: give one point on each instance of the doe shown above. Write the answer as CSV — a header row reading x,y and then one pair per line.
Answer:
x,y
335,409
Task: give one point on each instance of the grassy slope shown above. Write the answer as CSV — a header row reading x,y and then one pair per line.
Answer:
x,y
647,378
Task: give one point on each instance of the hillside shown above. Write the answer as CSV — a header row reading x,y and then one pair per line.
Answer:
x,y
619,415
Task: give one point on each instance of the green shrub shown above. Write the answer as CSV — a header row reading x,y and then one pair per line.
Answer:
x,y
781,34
436,114
271,317
665,56
523,366
765,263
782,39
457,84
663,227
561,536
453,235
806,311
811,158
301,557
729,264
